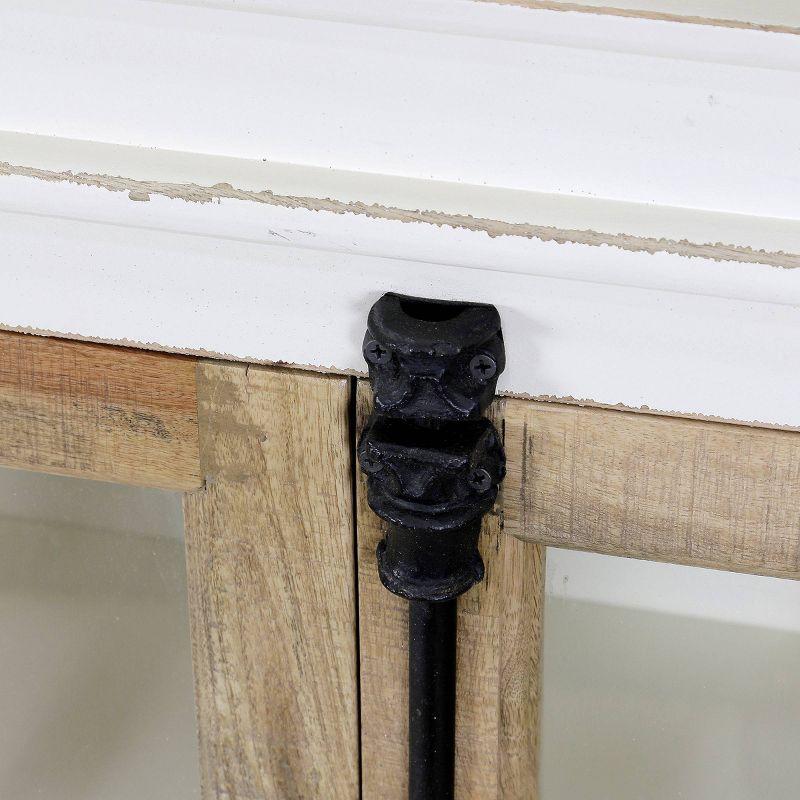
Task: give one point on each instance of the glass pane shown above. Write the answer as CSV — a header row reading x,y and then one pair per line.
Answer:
x,y
96,697
665,682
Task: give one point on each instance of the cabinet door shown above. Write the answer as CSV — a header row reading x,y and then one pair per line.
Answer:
x,y
299,655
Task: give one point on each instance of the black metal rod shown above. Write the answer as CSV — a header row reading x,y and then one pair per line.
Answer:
x,y
431,699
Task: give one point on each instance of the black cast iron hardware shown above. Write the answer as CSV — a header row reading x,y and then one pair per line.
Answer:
x,y
433,466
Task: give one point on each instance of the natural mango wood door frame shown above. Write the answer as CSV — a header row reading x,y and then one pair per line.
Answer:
x,y
264,457
658,488
272,596
94,411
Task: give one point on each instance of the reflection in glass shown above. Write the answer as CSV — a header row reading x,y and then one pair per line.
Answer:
x,y
664,682
96,694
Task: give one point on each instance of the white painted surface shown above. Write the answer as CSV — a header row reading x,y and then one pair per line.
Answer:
x,y
265,283
595,126
756,12
571,214
559,103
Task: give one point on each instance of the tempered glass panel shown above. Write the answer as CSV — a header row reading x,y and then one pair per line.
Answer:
x,y
664,682
96,696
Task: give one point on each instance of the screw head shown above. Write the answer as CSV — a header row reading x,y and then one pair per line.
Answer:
x,y
376,353
482,367
370,465
480,479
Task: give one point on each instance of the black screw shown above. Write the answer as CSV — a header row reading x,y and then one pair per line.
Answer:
x,y
480,479
483,367
376,354
370,465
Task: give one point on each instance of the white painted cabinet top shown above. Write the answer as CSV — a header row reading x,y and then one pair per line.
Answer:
x,y
244,179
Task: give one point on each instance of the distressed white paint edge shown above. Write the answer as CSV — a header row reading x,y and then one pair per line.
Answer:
x,y
779,14
638,111
263,283
783,15
568,216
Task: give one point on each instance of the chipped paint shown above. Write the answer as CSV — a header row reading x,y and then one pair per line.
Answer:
x,y
658,16
139,190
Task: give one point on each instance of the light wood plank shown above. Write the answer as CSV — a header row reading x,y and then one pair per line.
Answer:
x,y
94,411
659,488
499,646
271,571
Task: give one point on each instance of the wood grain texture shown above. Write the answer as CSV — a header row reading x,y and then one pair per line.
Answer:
x,y
658,488
95,411
271,570
498,679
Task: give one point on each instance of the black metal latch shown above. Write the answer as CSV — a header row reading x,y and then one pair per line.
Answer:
x,y
434,464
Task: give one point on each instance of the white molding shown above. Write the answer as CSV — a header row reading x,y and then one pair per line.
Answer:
x,y
632,226
263,282
783,15
632,110
624,190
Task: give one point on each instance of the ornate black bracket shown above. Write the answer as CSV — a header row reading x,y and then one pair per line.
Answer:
x,y
433,466
433,462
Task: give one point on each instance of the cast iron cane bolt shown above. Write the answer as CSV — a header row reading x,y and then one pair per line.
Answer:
x,y
433,466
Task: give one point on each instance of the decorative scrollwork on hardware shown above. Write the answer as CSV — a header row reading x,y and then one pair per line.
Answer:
x,y
433,463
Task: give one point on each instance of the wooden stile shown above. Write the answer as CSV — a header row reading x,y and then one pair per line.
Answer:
x,y
272,586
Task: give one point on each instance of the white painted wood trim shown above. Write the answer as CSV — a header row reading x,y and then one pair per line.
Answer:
x,y
288,278
631,226
631,110
623,190
779,15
